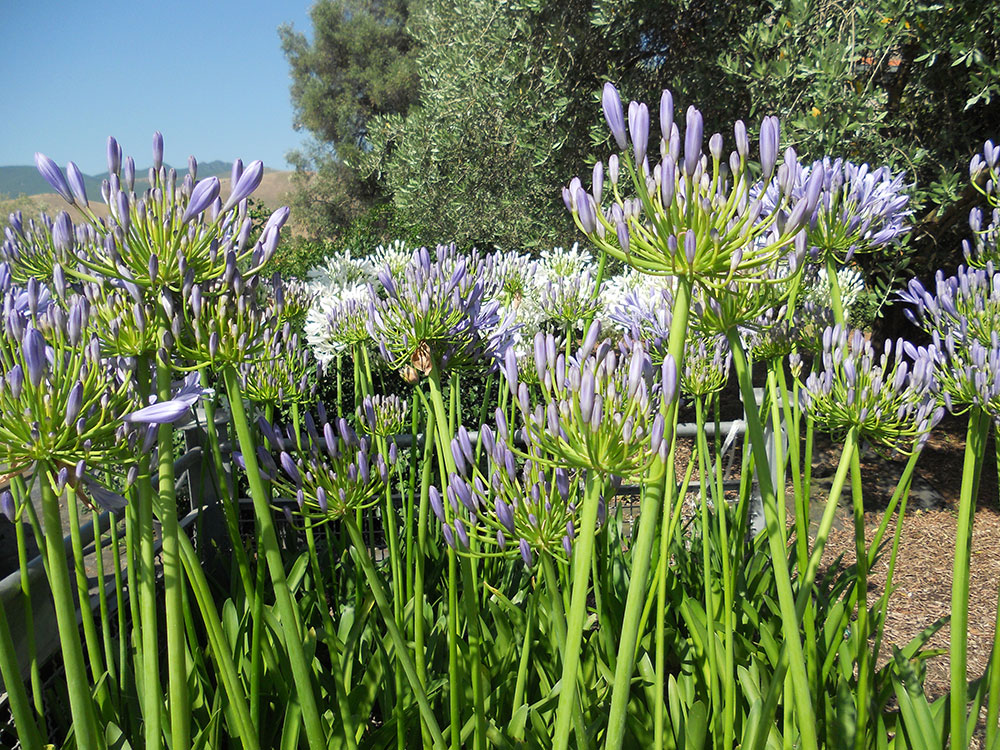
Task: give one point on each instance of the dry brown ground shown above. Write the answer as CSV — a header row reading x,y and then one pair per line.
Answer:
x,y
923,575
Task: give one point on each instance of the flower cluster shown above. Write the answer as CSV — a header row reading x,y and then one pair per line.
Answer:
x,y
965,306
890,401
687,219
501,507
284,373
437,315
384,416
330,471
854,208
600,410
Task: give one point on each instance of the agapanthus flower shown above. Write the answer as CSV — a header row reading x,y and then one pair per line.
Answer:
x,y
396,256
436,315
342,270
336,326
559,262
292,299
707,362
816,287
227,326
283,373
984,172
503,507
691,215
185,395
968,373
965,306
891,400
30,248
858,209
384,416
332,473
176,233
61,399
570,301
600,409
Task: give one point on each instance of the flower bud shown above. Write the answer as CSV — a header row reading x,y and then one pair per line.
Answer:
x,y
611,103
638,125
435,499
33,348
76,184
666,114
114,156
204,193
693,133
53,175
526,554
246,184
157,150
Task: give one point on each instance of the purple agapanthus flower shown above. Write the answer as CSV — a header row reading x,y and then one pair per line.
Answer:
x,y
436,314
850,207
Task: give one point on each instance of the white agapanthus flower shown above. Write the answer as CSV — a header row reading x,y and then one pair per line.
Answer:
x,y
560,262
395,255
341,271
819,291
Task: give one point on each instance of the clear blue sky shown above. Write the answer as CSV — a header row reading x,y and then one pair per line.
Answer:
x,y
209,74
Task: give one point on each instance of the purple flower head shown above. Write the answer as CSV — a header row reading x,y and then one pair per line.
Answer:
x,y
437,314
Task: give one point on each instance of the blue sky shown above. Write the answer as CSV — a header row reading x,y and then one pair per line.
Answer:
x,y
209,75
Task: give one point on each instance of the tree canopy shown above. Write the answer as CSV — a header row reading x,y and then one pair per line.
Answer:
x,y
460,119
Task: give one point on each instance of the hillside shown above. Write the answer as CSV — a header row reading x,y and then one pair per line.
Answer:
x,y
25,180
274,191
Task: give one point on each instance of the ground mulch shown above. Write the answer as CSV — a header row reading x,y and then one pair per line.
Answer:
x,y
923,576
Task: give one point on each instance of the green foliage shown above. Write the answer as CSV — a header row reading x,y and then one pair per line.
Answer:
x,y
900,82
359,64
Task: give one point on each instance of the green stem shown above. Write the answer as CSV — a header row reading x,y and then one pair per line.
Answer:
x,y
80,702
470,595
706,555
228,501
786,601
284,604
975,449
244,727
29,615
652,499
861,587
402,652
583,550
20,707
102,599
173,580
83,599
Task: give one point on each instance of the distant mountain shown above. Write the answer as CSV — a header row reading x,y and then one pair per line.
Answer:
x,y
15,181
